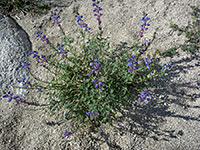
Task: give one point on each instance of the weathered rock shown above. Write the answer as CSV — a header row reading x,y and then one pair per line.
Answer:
x,y
14,45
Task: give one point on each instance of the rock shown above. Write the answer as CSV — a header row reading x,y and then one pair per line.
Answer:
x,y
14,45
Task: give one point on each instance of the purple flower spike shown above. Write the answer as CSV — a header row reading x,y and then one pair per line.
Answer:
x,y
56,19
81,23
145,19
93,81
24,83
62,52
53,102
42,37
39,90
67,134
39,59
143,26
97,10
43,59
100,130
148,62
35,55
167,66
91,114
8,95
26,65
22,80
16,98
120,126
132,63
97,68
50,123
99,84
145,96
96,60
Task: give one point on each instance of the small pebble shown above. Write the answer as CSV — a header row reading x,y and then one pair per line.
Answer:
x,y
197,64
180,132
182,92
17,17
162,97
198,83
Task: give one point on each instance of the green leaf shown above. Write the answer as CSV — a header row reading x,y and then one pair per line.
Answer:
x,y
179,33
26,7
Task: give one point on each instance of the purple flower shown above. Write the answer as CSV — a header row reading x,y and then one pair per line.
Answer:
x,y
100,85
35,54
96,69
62,52
145,19
145,96
39,90
96,79
167,66
91,64
143,26
132,63
39,59
120,126
81,23
56,19
148,62
16,98
144,45
42,37
50,123
100,130
22,100
67,134
25,84
91,114
66,114
28,84
26,65
97,10
22,80
9,95
43,59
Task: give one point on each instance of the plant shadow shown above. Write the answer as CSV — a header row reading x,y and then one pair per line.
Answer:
x,y
146,120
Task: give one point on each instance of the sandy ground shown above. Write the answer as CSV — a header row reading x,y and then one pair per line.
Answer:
x,y
170,121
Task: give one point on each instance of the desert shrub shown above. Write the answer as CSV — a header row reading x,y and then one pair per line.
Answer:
x,y
25,6
191,32
90,81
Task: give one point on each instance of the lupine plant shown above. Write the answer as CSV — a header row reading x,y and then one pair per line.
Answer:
x,y
92,84
191,32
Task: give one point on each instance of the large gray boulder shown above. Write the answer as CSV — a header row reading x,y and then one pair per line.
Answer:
x,y
14,46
